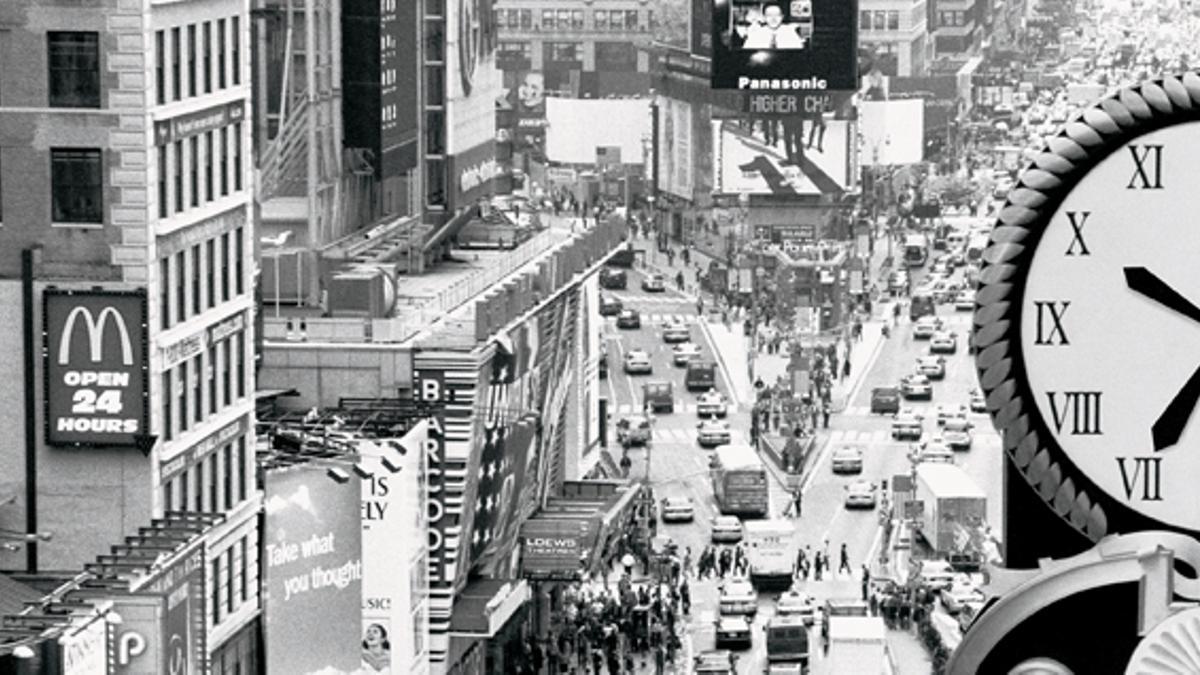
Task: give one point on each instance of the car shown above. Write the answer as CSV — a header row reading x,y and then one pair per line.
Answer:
x,y
964,301
933,367
654,283
613,278
932,453
738,597
715,662
638,361
936,574
946,411
957,433
712,404
733,632
629,318
860,495
684,352
885,400
677,510
907,427
797,603
978,402
726,530
633,430
943,342
847,459
711,433
957,596
916,386
675,332
897,281
925,327
610,306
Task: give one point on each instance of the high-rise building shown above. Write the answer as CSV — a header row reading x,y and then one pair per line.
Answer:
x,y
126,245
893,33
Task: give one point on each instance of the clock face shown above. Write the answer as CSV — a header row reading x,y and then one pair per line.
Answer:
x,y
1110,325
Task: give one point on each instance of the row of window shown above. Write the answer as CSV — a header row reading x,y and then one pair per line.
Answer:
x,y
572,19
879,20
191,60
198,278
952,18
202,386
214,484
229,580
197,170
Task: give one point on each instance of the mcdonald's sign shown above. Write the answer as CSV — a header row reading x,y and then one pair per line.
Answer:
x,y
94,346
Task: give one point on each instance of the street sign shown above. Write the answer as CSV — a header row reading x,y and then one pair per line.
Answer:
x,y
914,508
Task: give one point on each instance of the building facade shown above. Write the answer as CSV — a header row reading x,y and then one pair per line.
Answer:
x,y
125,190
895,34
957,32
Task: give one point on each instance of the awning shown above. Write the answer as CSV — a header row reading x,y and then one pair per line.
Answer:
x,y
484,606
568,534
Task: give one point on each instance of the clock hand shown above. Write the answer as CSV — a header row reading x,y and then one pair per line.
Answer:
x,y
1145,282
1169,426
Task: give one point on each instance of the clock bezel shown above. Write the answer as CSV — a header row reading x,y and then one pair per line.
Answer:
x,y
1067,159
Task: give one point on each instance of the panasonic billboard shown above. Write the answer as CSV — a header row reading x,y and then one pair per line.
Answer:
x,y
94,346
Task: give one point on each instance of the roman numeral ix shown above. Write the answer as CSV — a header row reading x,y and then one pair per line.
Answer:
x,y
1147,167
1081,408
1144,470
1049,322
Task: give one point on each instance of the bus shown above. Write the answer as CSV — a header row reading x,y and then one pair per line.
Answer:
x,y
975,248
916,250
739,481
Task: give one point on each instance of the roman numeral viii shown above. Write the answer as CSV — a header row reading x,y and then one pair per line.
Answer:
x,y
1147,167
1146,471
1049,322
1080,408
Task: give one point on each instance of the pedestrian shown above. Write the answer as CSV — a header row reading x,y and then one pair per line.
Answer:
x,y
798,501
845,368
627,561
825,414
679,279
844,560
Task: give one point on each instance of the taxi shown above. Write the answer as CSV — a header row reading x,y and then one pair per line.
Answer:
x,y
629,318
677,510
712,404
684,353
978,402
675,331
957,433
860,495
711,433
925,327
847,459
916,386
638,361
933,367
907,427
610,306
943,342
933,453
797,603
738,597
726,530
733,632
654,283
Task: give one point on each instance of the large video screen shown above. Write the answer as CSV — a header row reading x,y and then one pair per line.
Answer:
x,y
799,156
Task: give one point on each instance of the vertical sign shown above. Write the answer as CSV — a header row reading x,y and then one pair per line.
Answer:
x,y
313,563
94,347
83,652
163,629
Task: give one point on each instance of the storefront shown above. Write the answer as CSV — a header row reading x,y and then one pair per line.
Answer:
x,y
489,625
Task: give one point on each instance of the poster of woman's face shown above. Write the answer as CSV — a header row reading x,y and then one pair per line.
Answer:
x,y
376,649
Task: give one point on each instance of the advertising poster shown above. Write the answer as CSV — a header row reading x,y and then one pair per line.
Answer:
x,y
84,651
681,183
313,565
892,132
96,370
793,156
784,45
525,92
393,521
666,143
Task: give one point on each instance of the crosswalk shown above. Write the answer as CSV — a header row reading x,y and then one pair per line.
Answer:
x,y
688,436
923,408
682,407
884,436
667,298
955,320
657,319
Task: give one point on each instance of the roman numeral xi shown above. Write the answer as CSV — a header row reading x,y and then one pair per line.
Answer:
x,y
1080,408
1147,167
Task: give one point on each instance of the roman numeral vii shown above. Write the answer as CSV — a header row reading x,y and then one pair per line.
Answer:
x,y
1144,470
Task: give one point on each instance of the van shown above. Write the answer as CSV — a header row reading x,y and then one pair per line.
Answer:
x,y
701,375
659,396
787,640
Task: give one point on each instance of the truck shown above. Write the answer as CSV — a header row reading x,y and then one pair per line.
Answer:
x,y
787,642
952,508
701,375
857,644
767,545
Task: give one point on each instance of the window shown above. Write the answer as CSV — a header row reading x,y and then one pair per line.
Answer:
x,y
224,161
194,168
563,51
435,85
216,590
184,479
163,173
74,60
210,374
197,276
512,50
221,53
616,19
213,483
240,347
577,19
650,19
164,291
435,182
880,19
864,20
197,368
76,185
227,371
228,452
206,50
229,583
191,61
239,260
237,156
235,37
160,66
184,388
242,478
500,18
600,18
631,19
526,18
244,549
893,20
225,267
210,270
548,18
178,160
199,485
167,397
180,288
208,166
176,49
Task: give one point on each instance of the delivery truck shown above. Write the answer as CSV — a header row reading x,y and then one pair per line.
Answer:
x,y
952,508
768,550
857,644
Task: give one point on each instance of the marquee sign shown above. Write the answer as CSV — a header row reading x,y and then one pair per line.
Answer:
x,y
94,346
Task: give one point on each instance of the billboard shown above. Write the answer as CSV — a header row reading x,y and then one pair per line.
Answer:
x,y
700,25
393,522
473,81
800,155
555,548
797,45
313,566
893,132
525,93
162,629
94,345
84,651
